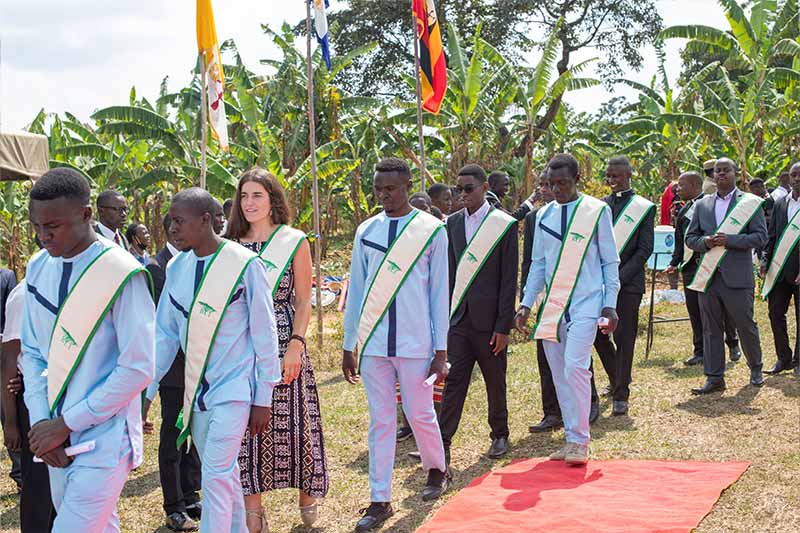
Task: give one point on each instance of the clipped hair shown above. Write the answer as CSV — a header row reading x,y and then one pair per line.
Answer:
x,y
61,182
473,170
198,200
567,161
437,189
394,164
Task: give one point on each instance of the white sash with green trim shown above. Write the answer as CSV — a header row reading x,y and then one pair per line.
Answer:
x,y
785,244
581,229
79,317
490,232
210,302
398,262
687,252
737,218
278,252
629,219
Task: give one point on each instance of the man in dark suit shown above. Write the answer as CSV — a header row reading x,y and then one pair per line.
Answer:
x,y
498,188
785,288
552,411
112,212
482,316
179,471
732,284
617,356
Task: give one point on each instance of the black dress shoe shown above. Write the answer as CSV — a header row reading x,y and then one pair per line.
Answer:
x,y
195,510
620,408
694,360
756,377
498,448
180,522
735,353
548,423
594,412
710,386
376,514
778,368
404,433
436,485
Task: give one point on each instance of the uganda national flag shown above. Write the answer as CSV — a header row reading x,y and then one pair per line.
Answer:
x,y
432,67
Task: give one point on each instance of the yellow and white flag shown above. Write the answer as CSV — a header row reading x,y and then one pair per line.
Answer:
x,y
215,79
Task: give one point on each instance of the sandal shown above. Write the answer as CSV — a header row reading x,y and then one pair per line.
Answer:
x,y
256,521
309,514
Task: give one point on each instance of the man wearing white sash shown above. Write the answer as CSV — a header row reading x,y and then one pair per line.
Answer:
x,y
577,263
483,257
780,270
87,354
634,234
397,312
725,229
230,371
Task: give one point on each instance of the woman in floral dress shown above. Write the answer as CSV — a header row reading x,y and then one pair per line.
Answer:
x,y
291,453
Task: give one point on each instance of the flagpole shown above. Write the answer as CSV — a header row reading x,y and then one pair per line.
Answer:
x,y
419,106
203,120
312,140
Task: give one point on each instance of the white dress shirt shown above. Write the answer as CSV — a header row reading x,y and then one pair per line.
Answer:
x,y
721,205
109,234
794,206
174,251
472,222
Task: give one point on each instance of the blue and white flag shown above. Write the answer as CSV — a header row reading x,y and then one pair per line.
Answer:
x,y
321,29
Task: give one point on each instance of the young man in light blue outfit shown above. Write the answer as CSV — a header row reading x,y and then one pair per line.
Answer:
x,y
594,296
242,367
409,342
102,401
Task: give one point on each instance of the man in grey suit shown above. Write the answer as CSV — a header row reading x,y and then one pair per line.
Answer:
x,y
732,285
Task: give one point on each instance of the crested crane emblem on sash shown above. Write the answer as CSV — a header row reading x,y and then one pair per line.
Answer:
x,y
471,257
66,339
735,222
269,265
795,227
205,309
576,237
393,268
628,219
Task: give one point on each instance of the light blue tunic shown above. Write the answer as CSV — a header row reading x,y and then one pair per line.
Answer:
x,y
102,401
416,323
592,293
243,365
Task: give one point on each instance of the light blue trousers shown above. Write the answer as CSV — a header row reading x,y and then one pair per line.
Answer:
x,y
85,498
569,362
379,375
218,433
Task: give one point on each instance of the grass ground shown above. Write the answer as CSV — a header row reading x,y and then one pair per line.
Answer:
x,y
665,422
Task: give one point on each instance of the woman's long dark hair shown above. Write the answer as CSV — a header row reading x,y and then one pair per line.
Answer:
x,y
238,226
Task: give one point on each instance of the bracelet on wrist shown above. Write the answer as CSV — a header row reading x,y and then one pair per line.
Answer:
x,y
299,338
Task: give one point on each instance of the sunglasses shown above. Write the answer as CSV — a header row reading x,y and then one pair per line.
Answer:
x,y
469,189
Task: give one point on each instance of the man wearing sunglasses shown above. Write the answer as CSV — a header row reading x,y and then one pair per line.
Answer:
x,y
112,212
482,253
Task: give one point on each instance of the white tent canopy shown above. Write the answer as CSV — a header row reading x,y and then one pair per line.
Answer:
x,y
23,156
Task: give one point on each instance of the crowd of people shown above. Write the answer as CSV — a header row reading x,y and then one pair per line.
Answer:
x,y
215,322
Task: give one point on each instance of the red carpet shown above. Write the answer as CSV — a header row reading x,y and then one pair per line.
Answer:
x,y
542,495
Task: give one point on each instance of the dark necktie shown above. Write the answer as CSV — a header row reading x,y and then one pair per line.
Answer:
x,y
116,239
563,221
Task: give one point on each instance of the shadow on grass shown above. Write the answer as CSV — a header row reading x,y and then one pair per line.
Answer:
x,y
142,485
717,404
786,383
10,515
